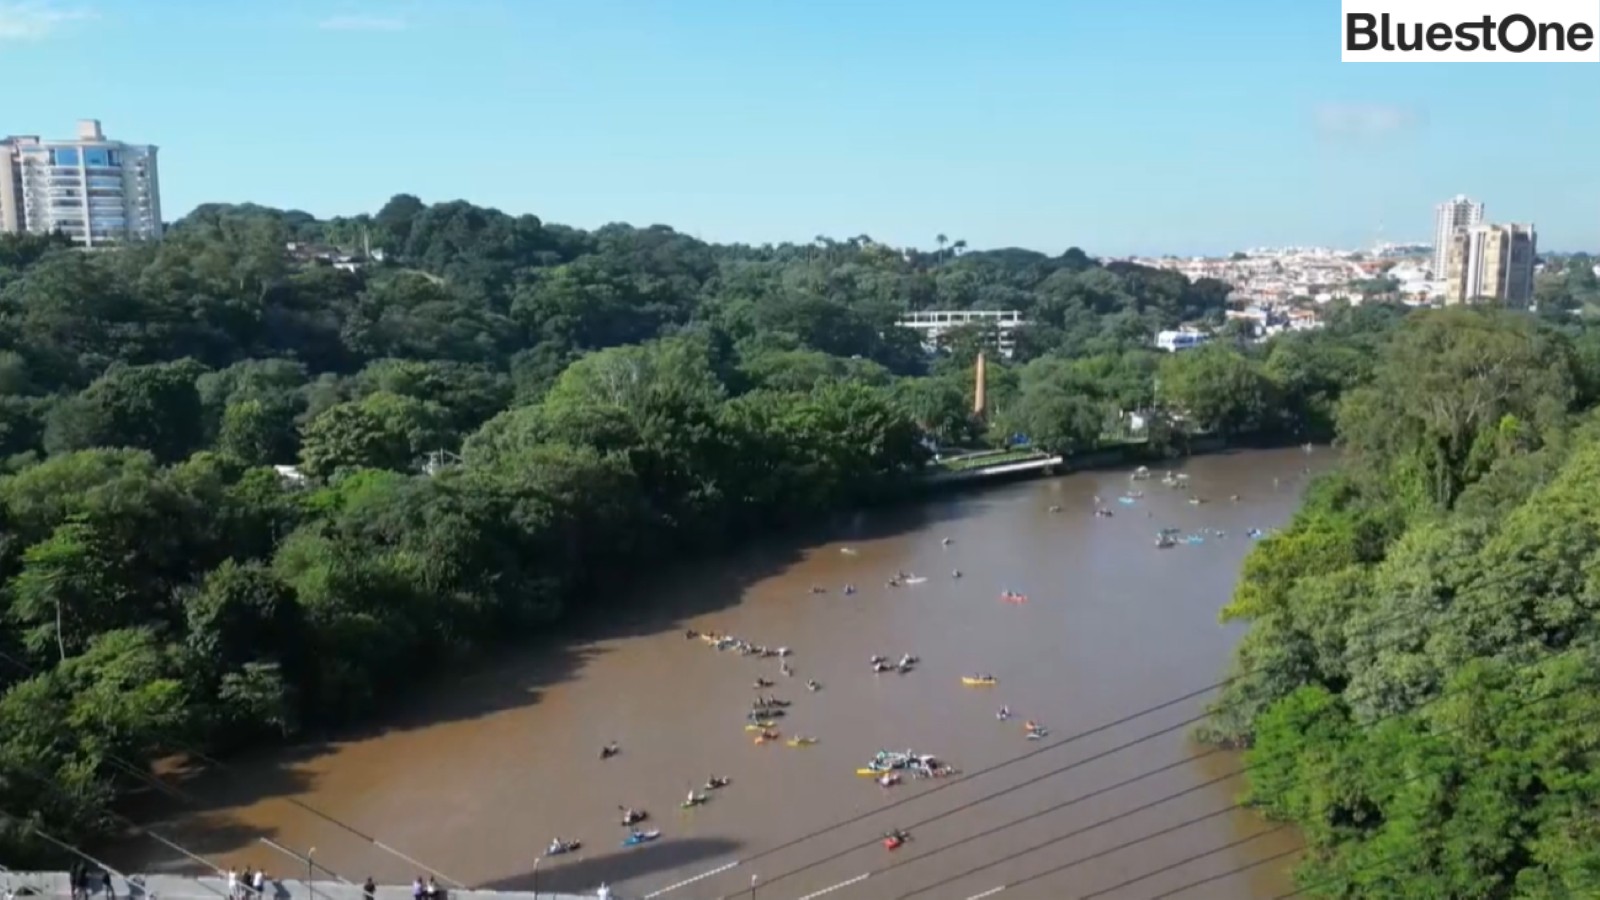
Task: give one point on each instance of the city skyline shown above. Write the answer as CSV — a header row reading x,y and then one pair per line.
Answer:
x,y
1031,126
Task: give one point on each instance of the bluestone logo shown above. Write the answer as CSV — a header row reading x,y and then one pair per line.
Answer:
x,y
1470,31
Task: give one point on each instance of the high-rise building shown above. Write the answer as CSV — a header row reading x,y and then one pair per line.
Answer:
x,y
1450,217
1491,262
93,190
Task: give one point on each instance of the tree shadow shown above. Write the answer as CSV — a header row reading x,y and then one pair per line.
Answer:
x,y
191,810
617,867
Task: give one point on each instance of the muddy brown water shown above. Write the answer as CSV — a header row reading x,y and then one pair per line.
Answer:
x,y
477,776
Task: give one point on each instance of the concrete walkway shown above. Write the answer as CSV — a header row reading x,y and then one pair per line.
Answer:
x,y
175,887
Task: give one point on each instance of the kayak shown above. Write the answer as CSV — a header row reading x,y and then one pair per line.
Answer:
x,y
970,681
868,773
759,726
641,837
1039,734
558,849
802,741
915,579
691,804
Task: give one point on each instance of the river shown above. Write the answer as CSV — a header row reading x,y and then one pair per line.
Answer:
x,y
475,777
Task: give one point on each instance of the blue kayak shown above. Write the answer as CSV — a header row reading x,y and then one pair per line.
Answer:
x,y
641,837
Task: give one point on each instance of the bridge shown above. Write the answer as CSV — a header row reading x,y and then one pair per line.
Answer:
x,y
180,887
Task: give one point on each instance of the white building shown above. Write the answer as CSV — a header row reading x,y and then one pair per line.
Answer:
x,y
1448,218
932,325
93,190
1182,339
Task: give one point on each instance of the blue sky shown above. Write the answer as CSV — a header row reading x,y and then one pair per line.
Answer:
x,y
1119,126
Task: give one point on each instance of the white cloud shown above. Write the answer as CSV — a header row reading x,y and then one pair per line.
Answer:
x,y
362,23
1365,121
31,20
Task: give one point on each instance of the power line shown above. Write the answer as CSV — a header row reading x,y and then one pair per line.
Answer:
x,y
53,784
1051,746
77,852
1178,864
985,798
1231,808
162,786
1236,870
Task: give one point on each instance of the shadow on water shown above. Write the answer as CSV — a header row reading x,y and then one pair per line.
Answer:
x,y
587,873
189,809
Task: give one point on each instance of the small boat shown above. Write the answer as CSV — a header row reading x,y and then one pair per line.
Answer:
x,y
894,840
557,848
915,579
1014,597
1038,734
763,683
766,714
889,779
716,783
610,750
694,801
801,741
641,837
848,551
634,816
868,773
979,680
759,726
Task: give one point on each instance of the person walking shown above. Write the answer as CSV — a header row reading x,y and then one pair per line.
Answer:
x,y
233,884
369,890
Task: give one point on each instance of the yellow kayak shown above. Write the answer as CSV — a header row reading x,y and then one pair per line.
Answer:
x,y
868,773
802,742
760,726
969,681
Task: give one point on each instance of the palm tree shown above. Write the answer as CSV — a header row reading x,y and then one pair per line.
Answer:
x,y
958,246
942,241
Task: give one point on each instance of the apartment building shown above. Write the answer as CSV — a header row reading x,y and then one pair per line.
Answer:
x,y
932,325
1491,262
1449,217
94,190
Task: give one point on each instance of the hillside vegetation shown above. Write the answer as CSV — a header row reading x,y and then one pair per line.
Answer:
x,y
597,401
1421,678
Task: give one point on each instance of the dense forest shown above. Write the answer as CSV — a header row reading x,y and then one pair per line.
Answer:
x,y
1421,679
498,414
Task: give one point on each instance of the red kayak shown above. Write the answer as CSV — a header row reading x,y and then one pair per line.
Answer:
x,y
1013,597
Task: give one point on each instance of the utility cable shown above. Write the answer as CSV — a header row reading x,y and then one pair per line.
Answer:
x,y
143,775
1236,870
1027,783
1241,805
79,853
55,786
1051,746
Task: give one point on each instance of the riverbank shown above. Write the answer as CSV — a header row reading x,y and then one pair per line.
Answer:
x,y
487,767
1010,465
